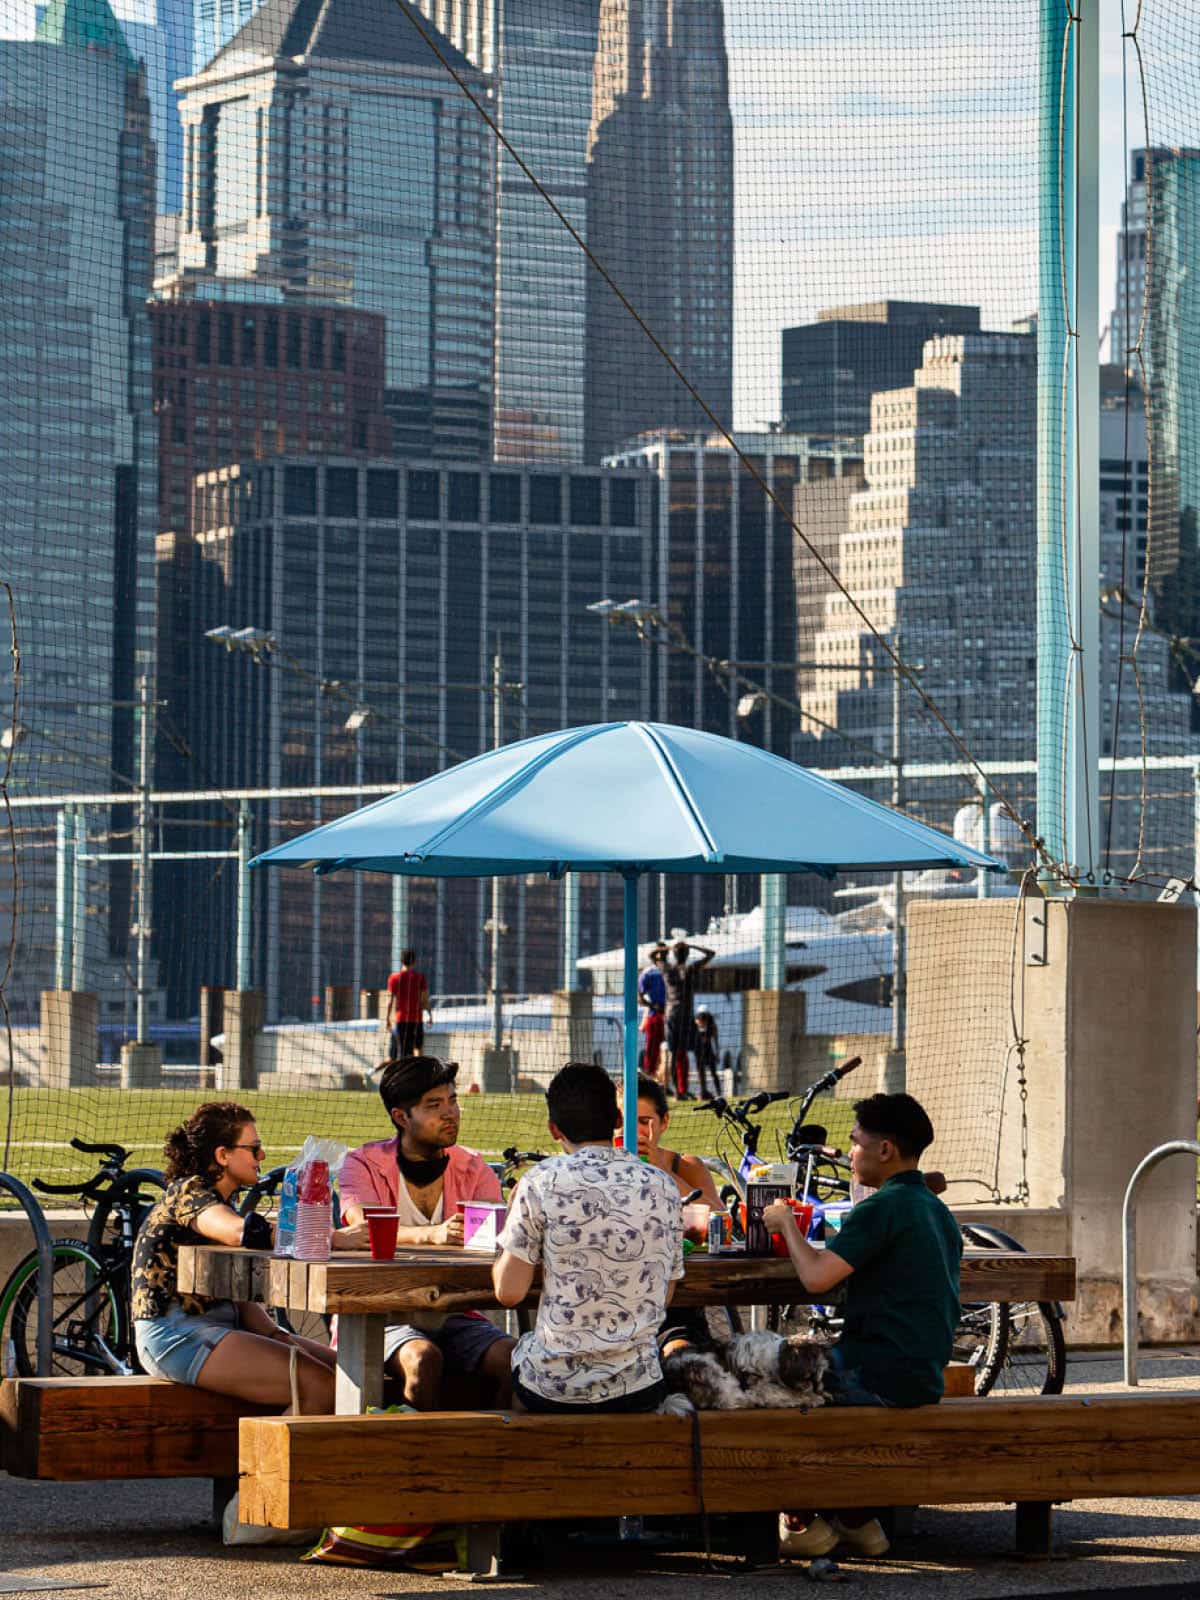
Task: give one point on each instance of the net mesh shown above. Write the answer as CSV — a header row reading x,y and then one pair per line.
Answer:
x,y
383,382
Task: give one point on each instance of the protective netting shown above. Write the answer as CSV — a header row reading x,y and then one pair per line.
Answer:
x,y
381,382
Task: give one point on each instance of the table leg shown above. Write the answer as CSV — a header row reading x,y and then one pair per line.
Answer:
x,y
359,1363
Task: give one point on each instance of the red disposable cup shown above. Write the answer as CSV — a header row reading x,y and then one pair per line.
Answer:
x,y
803,1212
382,1226
377,1211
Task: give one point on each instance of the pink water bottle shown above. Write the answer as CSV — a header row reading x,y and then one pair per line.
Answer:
x,y
314,1213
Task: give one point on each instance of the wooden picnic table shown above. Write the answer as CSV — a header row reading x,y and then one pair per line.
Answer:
x,y
365,1295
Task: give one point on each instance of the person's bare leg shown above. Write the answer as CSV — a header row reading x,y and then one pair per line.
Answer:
x,y
252,1368
496,1367
318,1352
419,1364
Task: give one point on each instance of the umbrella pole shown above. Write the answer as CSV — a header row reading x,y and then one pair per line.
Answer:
x,y
630,1032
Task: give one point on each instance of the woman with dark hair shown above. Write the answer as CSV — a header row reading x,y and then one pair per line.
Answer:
x,y
230,1348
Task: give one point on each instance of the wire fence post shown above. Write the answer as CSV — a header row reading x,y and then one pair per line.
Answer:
x,y
79,888
64,899
243,897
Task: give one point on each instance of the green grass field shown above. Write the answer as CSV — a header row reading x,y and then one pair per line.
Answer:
x,y
43,1120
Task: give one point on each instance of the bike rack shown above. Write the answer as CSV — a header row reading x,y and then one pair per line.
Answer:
x,y
45,1250
1175,1147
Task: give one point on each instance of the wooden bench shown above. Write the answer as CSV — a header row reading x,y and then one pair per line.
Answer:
x,y
81,1430
497,1467
78,1430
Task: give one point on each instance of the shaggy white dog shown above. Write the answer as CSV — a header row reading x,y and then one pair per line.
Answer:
x,y
753,1371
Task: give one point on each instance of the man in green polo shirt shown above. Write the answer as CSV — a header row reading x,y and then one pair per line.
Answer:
x,y
898,1254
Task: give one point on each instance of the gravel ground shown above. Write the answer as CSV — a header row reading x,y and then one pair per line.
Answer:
x,y
152,1541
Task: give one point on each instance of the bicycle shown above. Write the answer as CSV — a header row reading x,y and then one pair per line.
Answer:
x,y
93,1324
1015,1347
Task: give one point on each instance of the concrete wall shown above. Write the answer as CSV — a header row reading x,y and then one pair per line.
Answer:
x,y
1103,993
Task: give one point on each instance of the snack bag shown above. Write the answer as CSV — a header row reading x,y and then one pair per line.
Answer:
x,y
313,1149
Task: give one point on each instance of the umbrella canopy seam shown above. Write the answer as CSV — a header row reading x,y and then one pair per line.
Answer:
x,y
680,792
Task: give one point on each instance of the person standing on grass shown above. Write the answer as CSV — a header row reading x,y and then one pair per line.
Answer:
x,y
898,1253
680,978
219,1345
707,1043
423,1173
607,1231
408,1006
652,993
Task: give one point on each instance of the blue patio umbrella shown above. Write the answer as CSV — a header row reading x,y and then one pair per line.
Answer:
x,y
630,798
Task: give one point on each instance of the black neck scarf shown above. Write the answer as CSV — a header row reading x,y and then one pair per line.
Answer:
x,y
420,1173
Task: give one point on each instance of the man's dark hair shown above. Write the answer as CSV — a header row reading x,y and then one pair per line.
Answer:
x,y
650,1089
582,1103
407,957
402,1083
897,1117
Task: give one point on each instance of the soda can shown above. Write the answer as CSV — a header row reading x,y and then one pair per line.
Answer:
x,y
716,1233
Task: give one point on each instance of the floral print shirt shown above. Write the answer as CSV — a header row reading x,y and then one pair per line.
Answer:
x,y
607,1230
168,1224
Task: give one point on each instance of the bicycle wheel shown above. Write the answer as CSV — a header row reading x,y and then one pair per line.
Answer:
x,y
87,1315
981,1342
1035,1353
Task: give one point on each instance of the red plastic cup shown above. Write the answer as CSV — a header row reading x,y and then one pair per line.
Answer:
x,y
381,1228
803,1212
376,1210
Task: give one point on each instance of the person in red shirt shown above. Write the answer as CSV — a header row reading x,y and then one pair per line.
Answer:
x,y
408,1005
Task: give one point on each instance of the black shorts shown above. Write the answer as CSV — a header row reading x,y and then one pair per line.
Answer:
x,y
407,1039
678,1034
690,1324
641,1400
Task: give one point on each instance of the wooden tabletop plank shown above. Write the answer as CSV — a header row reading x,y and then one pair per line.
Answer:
x,y
350,1283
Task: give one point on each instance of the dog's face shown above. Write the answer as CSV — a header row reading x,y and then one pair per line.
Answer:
x,y
802,1364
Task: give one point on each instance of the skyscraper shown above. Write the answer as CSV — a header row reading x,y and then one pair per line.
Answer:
x,y
77,458
937,551
833,366
659,219
542,57
1173,409
326,152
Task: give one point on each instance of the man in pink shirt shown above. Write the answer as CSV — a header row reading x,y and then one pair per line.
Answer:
x,y
424,1174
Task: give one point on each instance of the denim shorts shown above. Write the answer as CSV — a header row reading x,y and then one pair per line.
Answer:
x,y
177,1346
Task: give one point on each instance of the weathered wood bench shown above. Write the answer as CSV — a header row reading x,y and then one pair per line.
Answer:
x,y
497,1467
81,1430
78,1430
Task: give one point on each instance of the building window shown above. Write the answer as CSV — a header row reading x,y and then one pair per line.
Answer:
x,y
341,491
271,339
293,341
316,344
622,502
224,339
248,341
424,496
585,502
545,499
504,493
300,492
463,497
383,494
203,339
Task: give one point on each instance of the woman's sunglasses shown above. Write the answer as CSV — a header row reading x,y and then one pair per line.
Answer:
x,y
256,1147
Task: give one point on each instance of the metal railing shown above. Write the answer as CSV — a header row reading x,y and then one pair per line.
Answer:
x,y
1129,1309
45,1249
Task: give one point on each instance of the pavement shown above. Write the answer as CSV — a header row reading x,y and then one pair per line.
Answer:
x,y
153,1541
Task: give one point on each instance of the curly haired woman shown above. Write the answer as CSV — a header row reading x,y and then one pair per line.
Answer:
x,y
230,1348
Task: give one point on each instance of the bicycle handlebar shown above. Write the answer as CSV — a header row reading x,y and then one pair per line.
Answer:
x,y
86,1191
116,1151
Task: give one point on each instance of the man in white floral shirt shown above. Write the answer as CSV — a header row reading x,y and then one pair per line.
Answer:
x,y
607,1230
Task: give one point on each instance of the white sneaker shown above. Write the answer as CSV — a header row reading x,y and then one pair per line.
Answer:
x,y
816,1538
867,1540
